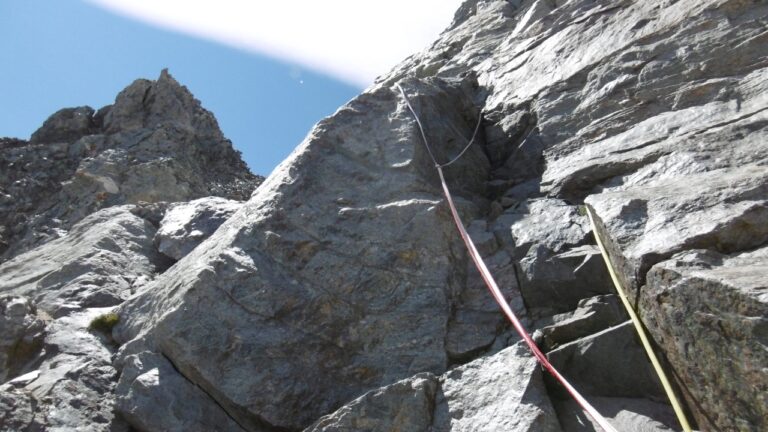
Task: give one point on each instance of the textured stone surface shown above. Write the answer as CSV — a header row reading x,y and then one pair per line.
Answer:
x,y
17,412
343,275
609,363
550,223
71,249
186,225
703,305
554,283
73,386
625,414
299,303
67,125
21,334
476,323
500,392
155,397
724,209
156,143
406,405
591,316
100,262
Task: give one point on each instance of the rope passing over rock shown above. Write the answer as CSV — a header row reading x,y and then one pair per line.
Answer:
x,y
640,330
494,288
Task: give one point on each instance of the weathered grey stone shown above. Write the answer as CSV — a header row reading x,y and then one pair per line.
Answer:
x,y
523,191
591,316
501,392
21,335
609,363
151,212
96,264
485,241
17,412
343,274
551,223
555,283
477,320
721,133
73,387
724,209
406,405
299,303
153,396
625,414
186,225
66,125
709,313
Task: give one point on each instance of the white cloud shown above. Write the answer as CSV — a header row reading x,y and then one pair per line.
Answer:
x,y
354,40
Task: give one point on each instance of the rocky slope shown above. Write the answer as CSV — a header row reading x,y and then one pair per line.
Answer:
x,y
339,296
154,144
86,223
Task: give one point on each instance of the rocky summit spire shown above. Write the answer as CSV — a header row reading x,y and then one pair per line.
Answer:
x,y
154,144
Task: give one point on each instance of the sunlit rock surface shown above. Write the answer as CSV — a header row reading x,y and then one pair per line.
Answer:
x,y
339,296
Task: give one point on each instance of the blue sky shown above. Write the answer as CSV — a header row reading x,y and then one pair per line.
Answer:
x,y
66,53
253,64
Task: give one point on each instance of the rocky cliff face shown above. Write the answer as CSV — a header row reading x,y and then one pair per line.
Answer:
x,y
339,296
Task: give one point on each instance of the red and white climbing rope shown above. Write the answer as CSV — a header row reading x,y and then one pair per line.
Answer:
x,y
491,283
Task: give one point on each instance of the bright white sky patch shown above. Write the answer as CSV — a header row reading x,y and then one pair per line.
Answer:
x,y
353,40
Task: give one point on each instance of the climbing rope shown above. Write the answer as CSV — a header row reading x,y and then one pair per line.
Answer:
x,y
491,283
424,136
676,406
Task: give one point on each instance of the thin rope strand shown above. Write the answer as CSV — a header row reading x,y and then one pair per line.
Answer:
x,y
474,135
418,122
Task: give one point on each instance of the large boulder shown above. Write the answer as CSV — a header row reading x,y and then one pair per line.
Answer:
x,y
701,305
337,277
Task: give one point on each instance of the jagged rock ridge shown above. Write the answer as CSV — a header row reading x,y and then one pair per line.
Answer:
x,y
340,298
83,206
155,143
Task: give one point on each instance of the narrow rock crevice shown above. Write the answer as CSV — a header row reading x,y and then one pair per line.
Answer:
x,y
254,420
